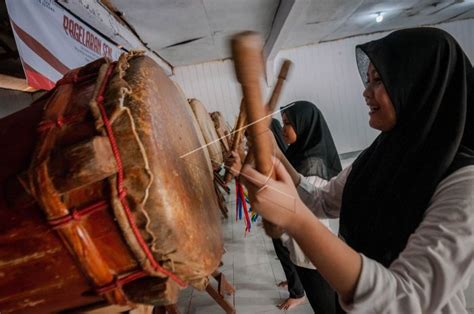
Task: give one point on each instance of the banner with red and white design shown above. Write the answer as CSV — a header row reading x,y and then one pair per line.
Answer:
x,y
51,41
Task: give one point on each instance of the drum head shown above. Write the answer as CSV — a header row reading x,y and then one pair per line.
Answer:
x,y
208,131
169,188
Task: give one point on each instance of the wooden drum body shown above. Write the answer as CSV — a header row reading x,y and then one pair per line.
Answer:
x,y
100,196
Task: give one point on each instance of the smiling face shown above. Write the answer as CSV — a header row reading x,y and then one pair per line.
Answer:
x,y
289,134
381,111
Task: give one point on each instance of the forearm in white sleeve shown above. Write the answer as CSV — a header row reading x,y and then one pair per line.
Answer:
x,y
322,197
432,271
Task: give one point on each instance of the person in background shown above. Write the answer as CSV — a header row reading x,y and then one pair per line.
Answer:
x,y
311,148
312,153
292,282
406,204
277,130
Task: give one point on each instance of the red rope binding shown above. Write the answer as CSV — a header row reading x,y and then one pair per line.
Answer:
x,y
236,199
118,282
69,78
74,78
120,189
77,214
59,122
246,211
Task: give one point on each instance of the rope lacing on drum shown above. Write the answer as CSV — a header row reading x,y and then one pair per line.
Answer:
x,y
58,122
119,282
120,188
70,78
75,78
77,214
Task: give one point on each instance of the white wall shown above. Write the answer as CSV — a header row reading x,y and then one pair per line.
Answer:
x,y
325,74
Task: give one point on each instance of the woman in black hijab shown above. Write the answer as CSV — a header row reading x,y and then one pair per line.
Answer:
x,y
313,153
276,129
406,204
293,282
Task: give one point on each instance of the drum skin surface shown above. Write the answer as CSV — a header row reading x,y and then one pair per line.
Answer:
x,y
182,206
170,195
208,131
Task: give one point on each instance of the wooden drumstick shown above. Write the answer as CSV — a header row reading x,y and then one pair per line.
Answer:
x,y
239,127
285,67
238,130
270,108
237,136
247,54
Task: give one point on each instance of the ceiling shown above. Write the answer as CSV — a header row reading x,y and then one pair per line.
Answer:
x,y
194,31
186,32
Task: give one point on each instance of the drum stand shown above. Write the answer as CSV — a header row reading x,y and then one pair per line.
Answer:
x,y
218,185
223,288
165,309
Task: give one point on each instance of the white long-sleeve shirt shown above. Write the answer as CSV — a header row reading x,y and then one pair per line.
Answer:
x,y
433,270
297,255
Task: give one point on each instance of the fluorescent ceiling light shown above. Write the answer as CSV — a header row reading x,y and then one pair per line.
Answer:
x,y
379,18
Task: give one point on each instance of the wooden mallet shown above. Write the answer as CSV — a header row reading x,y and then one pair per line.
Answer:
x,y
285,67
247,54
237,136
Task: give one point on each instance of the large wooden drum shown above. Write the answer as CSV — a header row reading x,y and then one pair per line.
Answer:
x,y
100,198
208,132
223,131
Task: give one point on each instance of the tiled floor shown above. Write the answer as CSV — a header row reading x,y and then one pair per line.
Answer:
x,y
251,265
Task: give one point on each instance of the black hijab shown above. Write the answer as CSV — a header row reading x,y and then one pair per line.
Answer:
x,y
429,80
314,139
276,129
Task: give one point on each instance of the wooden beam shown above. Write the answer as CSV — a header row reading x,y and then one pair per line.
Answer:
x,y
15,83
288,14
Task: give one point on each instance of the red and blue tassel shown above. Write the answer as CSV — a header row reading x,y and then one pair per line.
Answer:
x,y
241,208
